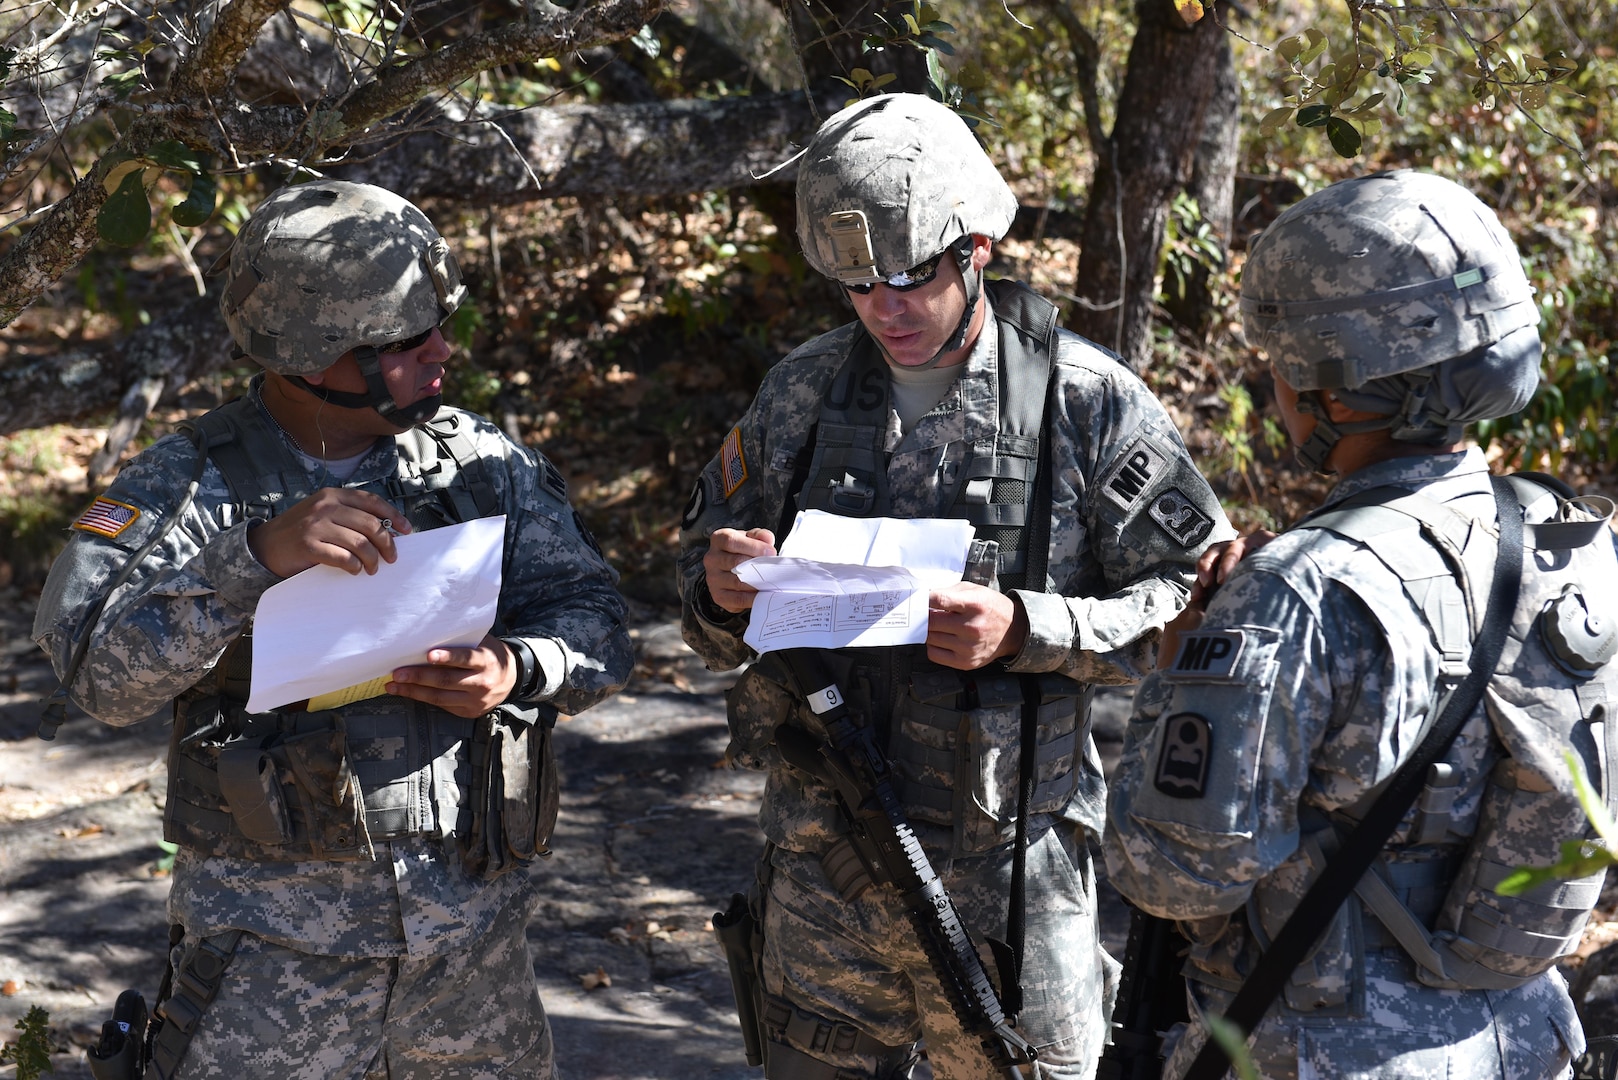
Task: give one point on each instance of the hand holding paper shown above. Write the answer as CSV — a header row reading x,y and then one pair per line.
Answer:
x,y
326,630
866,584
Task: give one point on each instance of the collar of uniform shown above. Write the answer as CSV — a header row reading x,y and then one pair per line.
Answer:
x,y
980,380
380,462
1416,470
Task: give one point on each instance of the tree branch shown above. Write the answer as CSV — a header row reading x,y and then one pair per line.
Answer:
x,y
207,71
402,85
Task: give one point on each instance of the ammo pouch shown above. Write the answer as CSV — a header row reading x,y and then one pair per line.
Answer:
x,y
515,790
956,742
282,789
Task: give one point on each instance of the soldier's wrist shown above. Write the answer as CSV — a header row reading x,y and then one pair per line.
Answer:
x,y
530,681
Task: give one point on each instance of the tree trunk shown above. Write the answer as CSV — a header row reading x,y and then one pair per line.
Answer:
x,y
52,387
668,148
1213,186
1171,77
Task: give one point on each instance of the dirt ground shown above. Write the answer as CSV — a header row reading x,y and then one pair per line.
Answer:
x,y
654,837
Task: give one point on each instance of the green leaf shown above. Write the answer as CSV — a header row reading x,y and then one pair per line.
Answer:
x,y
1234,1043
911,25
1313,115
173,154
930,41
937,78
1317,46
8,120
1594,807
126,217
1418,58
1274,119
1533,97
1289,49
882,80
199,201
1345,137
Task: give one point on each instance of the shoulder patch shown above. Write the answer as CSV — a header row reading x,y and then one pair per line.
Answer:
x,y
694,506
1182,763
732,463
554,482
106,517
1209,655
1181,518
1134,473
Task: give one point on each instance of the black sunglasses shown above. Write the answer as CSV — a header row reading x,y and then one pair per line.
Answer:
x,y
904,280
408,343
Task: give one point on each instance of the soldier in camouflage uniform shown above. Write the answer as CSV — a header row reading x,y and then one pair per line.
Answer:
x,y
949,397
341,878
1394,311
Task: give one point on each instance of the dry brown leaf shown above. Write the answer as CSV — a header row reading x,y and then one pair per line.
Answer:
x,y
596,979
9,988
81,832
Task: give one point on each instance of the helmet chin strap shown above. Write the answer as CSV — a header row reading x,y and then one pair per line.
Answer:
x,y
1327,434
376,396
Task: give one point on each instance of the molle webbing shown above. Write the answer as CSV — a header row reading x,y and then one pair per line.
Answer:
x,y
995,487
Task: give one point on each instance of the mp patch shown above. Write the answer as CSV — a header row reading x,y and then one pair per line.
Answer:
x,y
732,463
106,517
1209,654
1182,764
1181,518
1134,474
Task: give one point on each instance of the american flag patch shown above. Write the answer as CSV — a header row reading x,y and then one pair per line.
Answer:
x,y
106,517
732,465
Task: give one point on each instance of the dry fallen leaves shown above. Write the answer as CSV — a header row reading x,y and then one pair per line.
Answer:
x,y
81,832
9,988
596,979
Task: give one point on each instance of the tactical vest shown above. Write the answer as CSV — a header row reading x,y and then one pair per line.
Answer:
x,y
326,785
1433,892
953,736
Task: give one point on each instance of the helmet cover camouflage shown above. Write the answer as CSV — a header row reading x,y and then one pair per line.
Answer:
x,y
889,182
327,266
1381,275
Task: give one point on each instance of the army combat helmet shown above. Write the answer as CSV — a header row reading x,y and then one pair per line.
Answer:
x,y
328,266
1402,292
890,182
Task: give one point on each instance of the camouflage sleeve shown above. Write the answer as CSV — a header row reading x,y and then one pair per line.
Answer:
x,y
747,484
183,605
557,591
1131,514
1226,744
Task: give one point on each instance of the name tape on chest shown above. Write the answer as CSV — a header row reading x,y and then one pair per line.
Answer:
x,y
1208,655
732,463
1134,474
1182,763
107,517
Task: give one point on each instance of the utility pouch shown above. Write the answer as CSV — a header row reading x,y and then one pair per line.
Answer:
x,y
120,1054
251,789
280,788
327,793
515,793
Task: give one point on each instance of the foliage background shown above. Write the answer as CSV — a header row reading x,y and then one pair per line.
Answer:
x,y
623,337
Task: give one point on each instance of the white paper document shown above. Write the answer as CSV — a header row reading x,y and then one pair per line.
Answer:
x,y
841,582
326,631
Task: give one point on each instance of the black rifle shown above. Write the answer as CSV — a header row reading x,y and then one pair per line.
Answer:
x,y
1151,999
858,771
